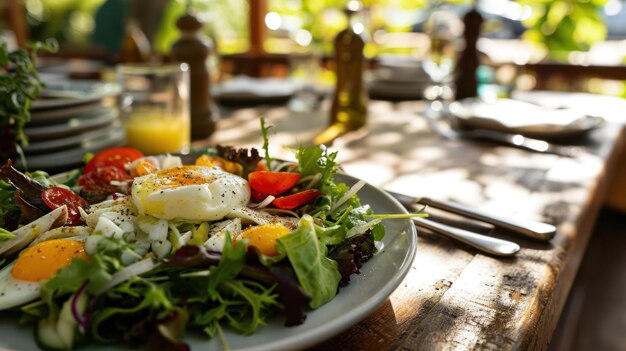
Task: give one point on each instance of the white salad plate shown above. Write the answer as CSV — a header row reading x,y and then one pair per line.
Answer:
x,y
378,279
522,117
60,93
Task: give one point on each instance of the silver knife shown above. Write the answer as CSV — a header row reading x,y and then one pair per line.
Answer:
x,y
532,229
519,141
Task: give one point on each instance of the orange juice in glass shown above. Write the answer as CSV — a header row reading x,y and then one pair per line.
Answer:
x,y
155,107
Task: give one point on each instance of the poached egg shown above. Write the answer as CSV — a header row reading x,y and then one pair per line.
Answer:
x,y
190,193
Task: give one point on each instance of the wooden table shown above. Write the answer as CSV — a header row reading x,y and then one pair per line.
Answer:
x,y
455,297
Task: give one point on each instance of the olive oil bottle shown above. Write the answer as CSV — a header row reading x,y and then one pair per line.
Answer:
x,y
349,106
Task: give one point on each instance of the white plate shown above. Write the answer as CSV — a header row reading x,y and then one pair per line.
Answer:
x,y
515,116
96,119
64,93
66,159
378,279
107,132
58,115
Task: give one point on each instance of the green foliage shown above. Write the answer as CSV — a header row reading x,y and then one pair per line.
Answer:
x,y
565,26
68,21
19,86
225,21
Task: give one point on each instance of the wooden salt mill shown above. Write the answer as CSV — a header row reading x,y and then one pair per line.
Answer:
x,y
194,49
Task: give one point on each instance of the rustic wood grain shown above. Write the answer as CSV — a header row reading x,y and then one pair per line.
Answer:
x,y
455,298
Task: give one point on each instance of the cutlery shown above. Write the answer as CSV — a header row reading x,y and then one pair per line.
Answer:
x,y
494,246
532,229
446,126
519,141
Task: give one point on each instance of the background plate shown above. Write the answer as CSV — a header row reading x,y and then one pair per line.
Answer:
x,y
521,117
95,119
64,93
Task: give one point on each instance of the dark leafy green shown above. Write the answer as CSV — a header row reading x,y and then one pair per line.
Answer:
x,y
352,254
247,158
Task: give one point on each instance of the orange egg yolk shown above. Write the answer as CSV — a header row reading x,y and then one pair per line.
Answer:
x,y
182,176
263,237
43,260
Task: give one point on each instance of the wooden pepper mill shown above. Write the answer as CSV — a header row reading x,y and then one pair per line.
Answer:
x,y
466,81
194,49
349,106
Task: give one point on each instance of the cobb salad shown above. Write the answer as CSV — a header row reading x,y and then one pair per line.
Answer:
x,y
141,249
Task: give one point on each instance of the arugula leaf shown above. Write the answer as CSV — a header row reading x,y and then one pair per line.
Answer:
x,y
316,159
317,274
266,143
258,298
70,278
128,301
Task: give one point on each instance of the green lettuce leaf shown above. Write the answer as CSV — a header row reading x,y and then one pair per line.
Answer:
x,y
231,263
318,275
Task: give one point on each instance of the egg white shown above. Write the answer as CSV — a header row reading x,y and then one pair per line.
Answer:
x,y
211,197
15,292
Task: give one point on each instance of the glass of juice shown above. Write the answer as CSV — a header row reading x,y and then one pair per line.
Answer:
x,y
155,107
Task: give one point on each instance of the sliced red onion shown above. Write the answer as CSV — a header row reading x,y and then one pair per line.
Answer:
x,y
80,320
117,195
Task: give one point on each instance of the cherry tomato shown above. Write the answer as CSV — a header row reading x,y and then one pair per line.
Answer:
x,y
116,157
272,183
296,200
257,197
100,179
57,196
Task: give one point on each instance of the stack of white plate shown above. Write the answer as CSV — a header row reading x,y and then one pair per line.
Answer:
x,y
70,119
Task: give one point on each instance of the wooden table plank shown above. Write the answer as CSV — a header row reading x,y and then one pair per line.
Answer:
x,y
454,297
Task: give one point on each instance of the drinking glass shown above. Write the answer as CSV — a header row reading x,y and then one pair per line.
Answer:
x,y
155,107
444,28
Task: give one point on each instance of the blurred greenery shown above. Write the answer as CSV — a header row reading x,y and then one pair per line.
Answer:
x,y
225,21
565,25
67,21
560,26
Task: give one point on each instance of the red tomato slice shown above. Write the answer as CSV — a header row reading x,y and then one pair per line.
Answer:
x,y
296,200
272,183
57,196
100,179
115,157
